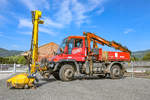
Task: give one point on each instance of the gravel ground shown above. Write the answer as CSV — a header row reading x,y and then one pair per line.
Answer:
x,y
82,89
4,75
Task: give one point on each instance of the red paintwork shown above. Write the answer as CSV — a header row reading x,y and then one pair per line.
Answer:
x,y
113,56
79,54
118,56
68,56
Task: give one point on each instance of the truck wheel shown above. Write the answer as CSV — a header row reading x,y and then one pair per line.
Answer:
x,y
116,72
56,75
66,72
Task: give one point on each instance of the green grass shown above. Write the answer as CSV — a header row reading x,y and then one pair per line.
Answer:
x,y
147,72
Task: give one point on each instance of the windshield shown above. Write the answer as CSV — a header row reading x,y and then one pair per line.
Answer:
x,y
62,46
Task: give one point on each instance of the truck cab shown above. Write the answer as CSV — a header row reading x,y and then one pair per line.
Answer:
x,y
73,48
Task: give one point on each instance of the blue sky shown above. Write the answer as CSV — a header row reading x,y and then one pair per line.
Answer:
x,y
125,21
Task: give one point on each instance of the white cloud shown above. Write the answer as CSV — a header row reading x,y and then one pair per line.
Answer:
x,y
129,30
77,12
25,23
95,3
36,4
64,14
100,11
26,32
51,23
68,11
81,10
41,29
46,30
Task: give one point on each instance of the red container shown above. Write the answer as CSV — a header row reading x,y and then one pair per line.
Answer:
x,y
113,56
118,56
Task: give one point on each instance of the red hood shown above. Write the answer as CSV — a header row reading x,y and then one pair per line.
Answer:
x,y
56,57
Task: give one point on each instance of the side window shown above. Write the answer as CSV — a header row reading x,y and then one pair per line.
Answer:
x,y
70,46
78,43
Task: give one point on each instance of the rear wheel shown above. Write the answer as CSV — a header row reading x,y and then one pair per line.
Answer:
x,y
116,72
66,72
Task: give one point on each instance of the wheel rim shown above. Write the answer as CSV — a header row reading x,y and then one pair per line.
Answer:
x,y
69,73
116,72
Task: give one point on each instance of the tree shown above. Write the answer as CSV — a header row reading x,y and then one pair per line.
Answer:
x,y
21,60
146,56
13,59
135,59
5,60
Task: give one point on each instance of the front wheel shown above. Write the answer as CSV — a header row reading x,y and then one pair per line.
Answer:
x,y
66,72
116,72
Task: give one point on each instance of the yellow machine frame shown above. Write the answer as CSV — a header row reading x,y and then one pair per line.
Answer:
x,y
27,79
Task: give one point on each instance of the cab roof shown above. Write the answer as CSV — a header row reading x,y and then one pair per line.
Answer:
x,y
81,37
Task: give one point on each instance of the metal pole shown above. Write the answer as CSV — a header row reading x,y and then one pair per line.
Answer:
x,y
132,69
14,68
1,67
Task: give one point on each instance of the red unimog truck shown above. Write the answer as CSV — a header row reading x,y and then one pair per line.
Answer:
x,y
81,55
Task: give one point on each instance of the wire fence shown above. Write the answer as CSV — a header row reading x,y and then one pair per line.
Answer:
x,y
134,69
13,68
137,66
141,63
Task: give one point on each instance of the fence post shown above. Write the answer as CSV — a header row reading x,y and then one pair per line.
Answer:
x,y
14,71
132,69
1,67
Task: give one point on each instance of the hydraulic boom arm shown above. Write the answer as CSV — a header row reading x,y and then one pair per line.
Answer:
x,y
34,43
96,39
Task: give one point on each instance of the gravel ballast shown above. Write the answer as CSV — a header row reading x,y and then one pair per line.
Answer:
x,y
87,89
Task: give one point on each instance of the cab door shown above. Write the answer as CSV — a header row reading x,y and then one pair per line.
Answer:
x,y
76,49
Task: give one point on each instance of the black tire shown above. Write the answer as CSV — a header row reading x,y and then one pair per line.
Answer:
x,y
116,72
66,72
101,76
56,75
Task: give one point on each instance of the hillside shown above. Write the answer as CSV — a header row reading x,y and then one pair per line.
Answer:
x,y
140,54
4,52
